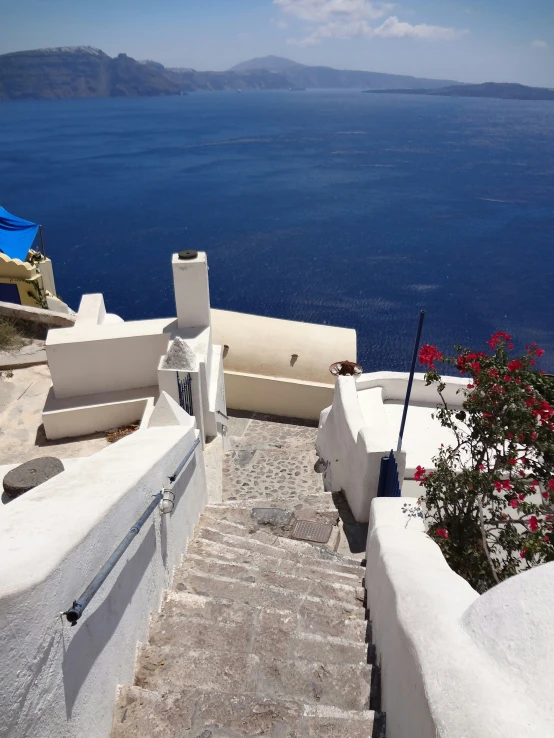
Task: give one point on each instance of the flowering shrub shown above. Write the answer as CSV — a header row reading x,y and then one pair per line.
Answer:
x,y
490,498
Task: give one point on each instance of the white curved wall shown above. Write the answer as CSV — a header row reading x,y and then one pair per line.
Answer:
x,y
454,664
359,429
61,681
265,346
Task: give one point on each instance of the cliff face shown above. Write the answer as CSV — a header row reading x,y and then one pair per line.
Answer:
x,y
78,72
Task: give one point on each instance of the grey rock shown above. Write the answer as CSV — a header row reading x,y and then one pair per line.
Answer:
x,y
181,356
274,518
29,475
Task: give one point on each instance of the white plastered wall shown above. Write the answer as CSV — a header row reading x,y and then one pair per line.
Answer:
x,y
352,442
279,367
57,680
454,664
263,346
91,359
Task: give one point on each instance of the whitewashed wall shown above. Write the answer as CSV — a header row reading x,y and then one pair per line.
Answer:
x,y
61,681
455,664
352,442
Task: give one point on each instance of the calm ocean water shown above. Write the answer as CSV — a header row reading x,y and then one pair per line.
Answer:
x,y
338,207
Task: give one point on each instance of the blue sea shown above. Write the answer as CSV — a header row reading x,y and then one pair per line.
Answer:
x,y
344,208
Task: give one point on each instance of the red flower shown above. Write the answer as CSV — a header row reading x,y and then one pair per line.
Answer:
x,y
551,484
521,497
539,352
514,365
512,461
471,386
523,553
420,475
513,503
498,485
545,495
533,524
428,355
496,337
534,436
441,532
482,467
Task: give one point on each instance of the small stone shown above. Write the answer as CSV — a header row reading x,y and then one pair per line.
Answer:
x,y
29,475
180,356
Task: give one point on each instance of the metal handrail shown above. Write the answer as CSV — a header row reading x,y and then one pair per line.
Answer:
x,y
76,610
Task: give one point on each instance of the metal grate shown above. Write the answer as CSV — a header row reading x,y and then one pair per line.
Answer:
x,y
306,530
185,393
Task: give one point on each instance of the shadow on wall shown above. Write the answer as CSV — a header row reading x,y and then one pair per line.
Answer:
x,y
179,491
96,630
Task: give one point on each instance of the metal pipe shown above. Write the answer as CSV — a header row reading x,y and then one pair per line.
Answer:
x,y
410,381
42,241
184,461
76,610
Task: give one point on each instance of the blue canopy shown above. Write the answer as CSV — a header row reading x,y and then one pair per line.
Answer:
x,y
16,235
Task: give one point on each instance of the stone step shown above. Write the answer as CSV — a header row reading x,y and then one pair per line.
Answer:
x,y
319,501
326,622
142,713
301,585
262,595
231,554
263,632
171,669
243,514
284,548
266,534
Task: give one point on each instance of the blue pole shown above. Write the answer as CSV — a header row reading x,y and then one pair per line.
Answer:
x,y
410,381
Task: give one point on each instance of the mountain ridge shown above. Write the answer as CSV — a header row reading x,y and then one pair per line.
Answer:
x,y
85,71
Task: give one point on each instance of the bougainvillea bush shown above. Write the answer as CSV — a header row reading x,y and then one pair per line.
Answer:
x,y
489,501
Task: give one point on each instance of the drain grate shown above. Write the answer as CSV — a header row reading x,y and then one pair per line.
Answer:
x,y
306,530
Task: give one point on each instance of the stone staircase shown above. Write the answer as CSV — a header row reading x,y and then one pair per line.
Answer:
x,y
260,635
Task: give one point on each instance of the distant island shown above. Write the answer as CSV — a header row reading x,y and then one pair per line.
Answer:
x,y
83,71
501,90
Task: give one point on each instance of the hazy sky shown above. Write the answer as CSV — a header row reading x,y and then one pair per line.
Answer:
x,y
469,40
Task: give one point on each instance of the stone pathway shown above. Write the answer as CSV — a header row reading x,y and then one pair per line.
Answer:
x,y
271,462
260,635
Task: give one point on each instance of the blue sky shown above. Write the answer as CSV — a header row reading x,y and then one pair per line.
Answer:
x,y
468,40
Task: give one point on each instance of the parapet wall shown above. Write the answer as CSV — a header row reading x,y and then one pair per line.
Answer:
x,y
58,680
285,349
455,664
48,318
279,367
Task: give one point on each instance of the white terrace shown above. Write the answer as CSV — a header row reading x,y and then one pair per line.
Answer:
x,y
254,596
